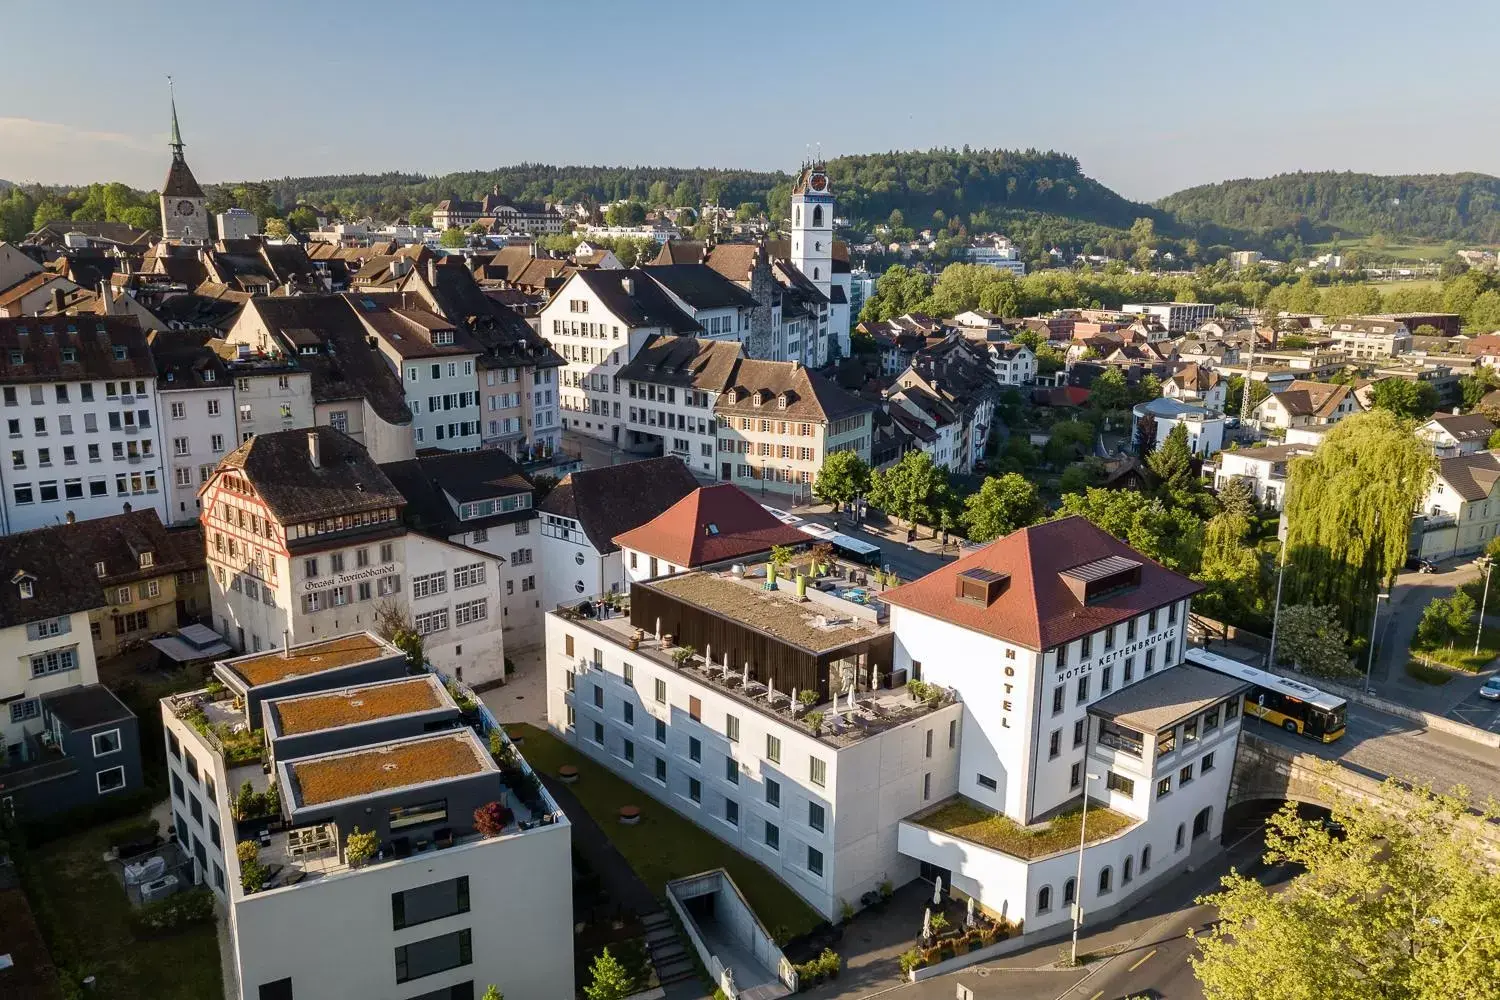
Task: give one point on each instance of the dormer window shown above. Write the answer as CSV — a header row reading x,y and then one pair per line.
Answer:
x,y
120,352
781,401
148,559
25,583
442,338
70,355
99,569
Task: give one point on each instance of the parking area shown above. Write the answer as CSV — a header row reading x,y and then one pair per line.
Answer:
x,y
1481,713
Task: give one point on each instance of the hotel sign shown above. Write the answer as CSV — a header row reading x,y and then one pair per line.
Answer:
x,y
1105,659
340,579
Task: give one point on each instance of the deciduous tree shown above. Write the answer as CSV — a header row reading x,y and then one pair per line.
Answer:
x,y
1171,536
1405,398
275,229
843,477
453,237
1238,497
913,489
1309,637
1393,900
1001,505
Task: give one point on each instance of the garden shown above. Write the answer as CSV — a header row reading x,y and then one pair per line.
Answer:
x,y
1445,638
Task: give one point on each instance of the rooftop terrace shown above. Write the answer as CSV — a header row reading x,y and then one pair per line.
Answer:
x,y
301,661
363,703
392,766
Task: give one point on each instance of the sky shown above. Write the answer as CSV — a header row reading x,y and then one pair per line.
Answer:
x,y
1151,97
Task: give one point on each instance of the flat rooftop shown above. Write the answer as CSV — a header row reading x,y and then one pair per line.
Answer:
x,y
1167,697
300,661
966,820
775,612
310,713
386,768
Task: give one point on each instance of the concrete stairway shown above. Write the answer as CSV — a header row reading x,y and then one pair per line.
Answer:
x,y
671,958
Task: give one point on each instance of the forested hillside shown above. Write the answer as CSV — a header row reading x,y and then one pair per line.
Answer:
x,y
1316,206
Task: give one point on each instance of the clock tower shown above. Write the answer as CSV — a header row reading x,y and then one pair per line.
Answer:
x,y
812,227
184,208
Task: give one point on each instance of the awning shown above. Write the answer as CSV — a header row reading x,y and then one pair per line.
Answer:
x,y
183,652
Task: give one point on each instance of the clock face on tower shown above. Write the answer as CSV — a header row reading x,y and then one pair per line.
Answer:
x,y
184,207
817,182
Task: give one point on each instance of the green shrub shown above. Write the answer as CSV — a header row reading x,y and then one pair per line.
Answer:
x,y
193,907
911,960
829,963
846,911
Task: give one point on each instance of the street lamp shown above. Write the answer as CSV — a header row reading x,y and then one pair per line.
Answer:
x,y
1370,653
1078,881
1486,564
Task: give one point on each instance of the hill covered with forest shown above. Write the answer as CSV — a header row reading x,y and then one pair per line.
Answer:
x,y
1318,206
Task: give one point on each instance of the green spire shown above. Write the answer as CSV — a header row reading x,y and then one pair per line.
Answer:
x,y
176,142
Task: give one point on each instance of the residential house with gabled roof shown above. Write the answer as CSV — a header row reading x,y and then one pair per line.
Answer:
x,y
196,414
1196,383
949,387
1264,470
672,386
67,741
778,422
307,538
1306,404
711,526
720,306
1452,434
598,321
1460,514
583,514
1371,337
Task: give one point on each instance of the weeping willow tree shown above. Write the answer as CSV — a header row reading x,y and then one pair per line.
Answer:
x,y
1349,508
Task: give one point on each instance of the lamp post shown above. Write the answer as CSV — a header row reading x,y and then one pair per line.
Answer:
x,y
1078,880
1370,657
1276,608
1486,564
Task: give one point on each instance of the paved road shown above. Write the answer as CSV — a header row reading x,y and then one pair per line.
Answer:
x,y
1380,746
1476,711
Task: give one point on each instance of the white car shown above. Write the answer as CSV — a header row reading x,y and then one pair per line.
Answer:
x,y
1491,689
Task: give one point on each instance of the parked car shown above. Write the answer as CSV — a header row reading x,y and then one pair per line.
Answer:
x,y
1420,565
1491,689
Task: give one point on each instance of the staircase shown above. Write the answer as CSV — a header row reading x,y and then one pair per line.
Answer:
x,y
672,961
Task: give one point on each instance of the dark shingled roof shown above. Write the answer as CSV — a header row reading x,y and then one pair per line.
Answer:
x,y
1472,477
345,481
688,362
701,287
507,339
86,706
180,182
1037,609
93,339
182,359
644,305
810,396
464,476
679,252
63,582
612,500
118,542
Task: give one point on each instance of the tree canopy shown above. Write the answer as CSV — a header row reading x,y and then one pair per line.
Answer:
x,y
1171,536
843,477
1405,397
1348,511
1395,900
1001,505
914,489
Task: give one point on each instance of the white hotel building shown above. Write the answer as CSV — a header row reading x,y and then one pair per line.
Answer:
x,y
1057,655
442,910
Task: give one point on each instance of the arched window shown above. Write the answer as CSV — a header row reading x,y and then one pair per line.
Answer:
x,y
1201,821
817,216
1146,859
1181,835
1128,871
797,216
815,274
1070,891
1105,875
1044,899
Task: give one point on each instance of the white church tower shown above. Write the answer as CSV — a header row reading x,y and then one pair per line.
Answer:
x,y
812,250
184,207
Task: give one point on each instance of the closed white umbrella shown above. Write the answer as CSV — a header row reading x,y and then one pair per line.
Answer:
x,y
927,924
969,917
745,680
937,891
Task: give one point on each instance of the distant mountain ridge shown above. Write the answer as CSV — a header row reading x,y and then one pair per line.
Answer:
x,y
1316,205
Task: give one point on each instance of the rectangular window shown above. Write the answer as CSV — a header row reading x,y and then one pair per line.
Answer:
x,y
815,861
661,731
628,713
1208,763
1106,680
1075,776
629,749
929,744
599,733
111,780
1119,783
952,733
1164,787
402,817
731,812
773,837
1185,776
106,743
731,770
986,782
695,750
695,708
1057,700
732,728
773,793
1054,744
815,816
695,790
773,749
661,770
660,691
1231,709
434,955
817,771
598,696
1083,689
1078,732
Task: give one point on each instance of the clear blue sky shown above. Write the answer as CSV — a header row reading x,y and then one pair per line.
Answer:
x,y
1150,96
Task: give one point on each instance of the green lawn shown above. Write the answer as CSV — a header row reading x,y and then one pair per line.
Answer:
x,y
1436,676
1462,655
663,845
971,822
85,918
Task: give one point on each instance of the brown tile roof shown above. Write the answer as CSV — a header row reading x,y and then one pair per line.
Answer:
x,y
735,261
31,284
809,395
385,768
269,668
1304,398
345,481
184,357
679,252
613,499
41,342
1037,609
63,580
684,361
1471,476
710,525
363,703
119,540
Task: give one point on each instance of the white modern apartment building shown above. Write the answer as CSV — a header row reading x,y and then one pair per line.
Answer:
x,y
195,396
1177,317
597,321
307,537
78,396
1000,254
442,909
819,809
1371,337
1054,659
1264,470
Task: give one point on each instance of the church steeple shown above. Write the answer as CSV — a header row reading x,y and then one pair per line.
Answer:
x,y
176,142
184,207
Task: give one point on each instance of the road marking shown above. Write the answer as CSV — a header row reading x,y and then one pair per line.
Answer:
x,y
1142,960
1096,996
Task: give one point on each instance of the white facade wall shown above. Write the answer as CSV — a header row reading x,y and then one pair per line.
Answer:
x,y
465,637
518,559
197,430
86,448
867,787
275,401
571,568
23,715
682,418
443,394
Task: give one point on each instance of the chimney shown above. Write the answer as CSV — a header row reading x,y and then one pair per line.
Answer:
x,y
57,299
314,451
432,271
106,299
286,643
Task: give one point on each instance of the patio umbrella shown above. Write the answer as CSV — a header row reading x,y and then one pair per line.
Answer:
x,y
658,628
937,891
793,705
927,924
969,917
770,691
708,654
745,680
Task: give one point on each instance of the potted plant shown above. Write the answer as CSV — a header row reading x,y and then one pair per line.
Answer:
x,y
887,890
815,722
360,848
491,819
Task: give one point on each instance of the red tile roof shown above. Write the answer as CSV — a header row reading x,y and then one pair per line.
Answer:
x,y
1036,609
710,525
